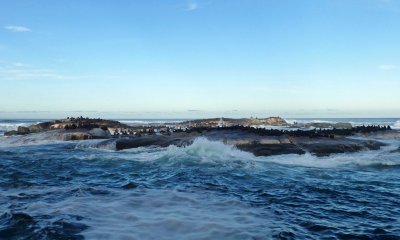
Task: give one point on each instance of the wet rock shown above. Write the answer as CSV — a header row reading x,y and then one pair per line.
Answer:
x,y
154,140
389,134
259,141
326,146
215,122
11,133
75,136
22,130
34,128
270,149
40,127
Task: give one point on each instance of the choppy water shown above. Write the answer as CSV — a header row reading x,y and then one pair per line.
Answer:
x,y
71,190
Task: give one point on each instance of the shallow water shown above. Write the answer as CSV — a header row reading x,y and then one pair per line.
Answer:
x,y
73,190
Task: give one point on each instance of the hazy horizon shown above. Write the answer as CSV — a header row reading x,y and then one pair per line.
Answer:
x,y
180,115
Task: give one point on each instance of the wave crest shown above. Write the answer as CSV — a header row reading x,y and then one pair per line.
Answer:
x,y
207,152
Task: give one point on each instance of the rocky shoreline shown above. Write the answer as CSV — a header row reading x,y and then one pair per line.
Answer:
x,y
246,134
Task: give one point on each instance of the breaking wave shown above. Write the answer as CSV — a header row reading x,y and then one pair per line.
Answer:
x,y
204,151
396,125
215,153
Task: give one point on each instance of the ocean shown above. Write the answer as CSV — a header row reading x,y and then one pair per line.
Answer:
x,y
208,190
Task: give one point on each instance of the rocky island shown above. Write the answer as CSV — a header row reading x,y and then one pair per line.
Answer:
x,y
255,135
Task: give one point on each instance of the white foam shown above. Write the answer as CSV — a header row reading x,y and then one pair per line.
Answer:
x,y
396,125
204,151
384,157
5,127
30,139
97,144
201,152
159,214
216,153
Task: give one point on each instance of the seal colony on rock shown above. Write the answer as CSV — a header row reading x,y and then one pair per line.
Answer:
x,y
247,134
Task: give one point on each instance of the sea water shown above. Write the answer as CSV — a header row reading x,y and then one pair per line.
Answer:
x,y
75,190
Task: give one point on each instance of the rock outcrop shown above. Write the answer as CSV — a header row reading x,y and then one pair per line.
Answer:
x,y
23,130
226,122
234,132
70,124
259,145
11,133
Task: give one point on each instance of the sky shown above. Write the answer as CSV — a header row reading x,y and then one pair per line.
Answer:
x,y
199,58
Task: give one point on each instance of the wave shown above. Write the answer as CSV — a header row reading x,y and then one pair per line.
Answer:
x,y
144,214
109,145
396,125
201,152
152,214
211,153
4,126
215,153
30,139
384,157
204,151
9,125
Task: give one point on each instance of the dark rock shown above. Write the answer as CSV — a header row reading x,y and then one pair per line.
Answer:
x,y
40,127
35,128
325,147
23,130
145,141
11,133
259,141
130,185
72,136
271,149
218,122
328,125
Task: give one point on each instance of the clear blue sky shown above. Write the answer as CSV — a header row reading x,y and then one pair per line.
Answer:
x,y
196,58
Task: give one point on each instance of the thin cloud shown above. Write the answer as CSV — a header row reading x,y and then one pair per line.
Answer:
x,y
18,64
387,67
21,71
17,29
192,5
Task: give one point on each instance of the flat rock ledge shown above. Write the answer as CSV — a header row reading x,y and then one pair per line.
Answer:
x,y
258,145
259,141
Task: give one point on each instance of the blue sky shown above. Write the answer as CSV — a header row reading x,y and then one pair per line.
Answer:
x,y
200,58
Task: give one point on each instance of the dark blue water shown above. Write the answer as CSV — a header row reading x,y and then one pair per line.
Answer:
x,y
205,191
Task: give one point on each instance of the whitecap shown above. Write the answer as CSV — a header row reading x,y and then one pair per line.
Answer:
x,y
396,125
386,156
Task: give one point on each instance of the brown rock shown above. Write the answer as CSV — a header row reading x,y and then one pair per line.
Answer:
x,y
23,130
11,133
